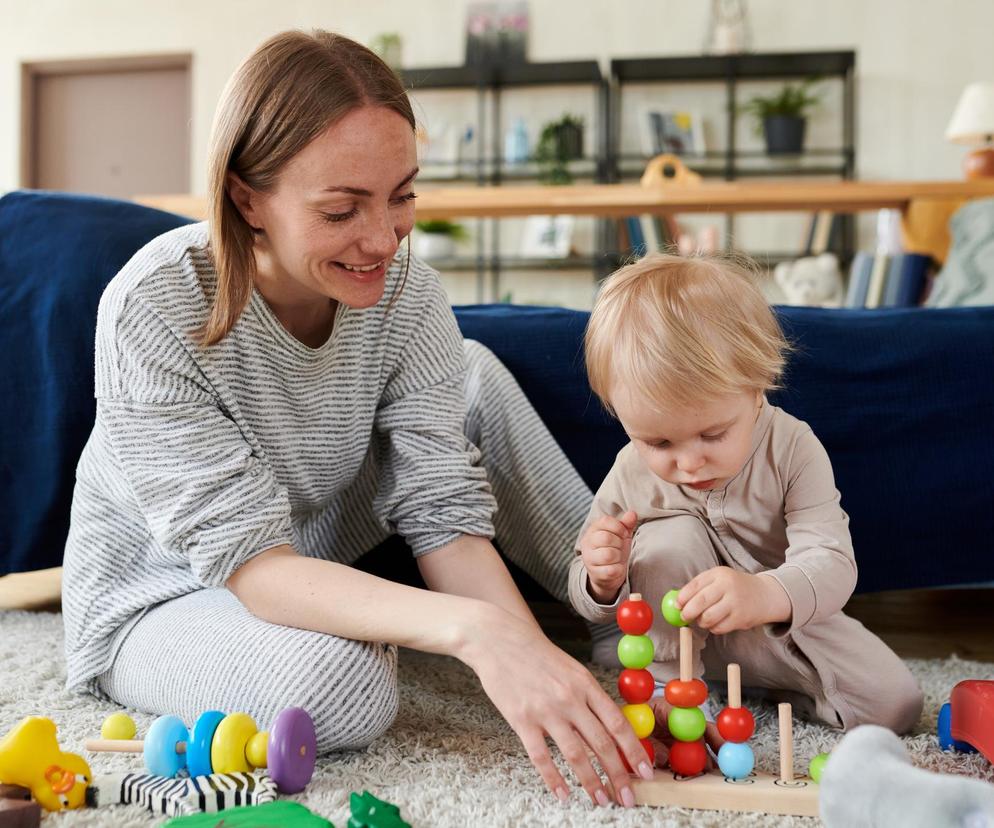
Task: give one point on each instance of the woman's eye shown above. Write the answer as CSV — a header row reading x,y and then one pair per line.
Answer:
x,y
405,198
341,216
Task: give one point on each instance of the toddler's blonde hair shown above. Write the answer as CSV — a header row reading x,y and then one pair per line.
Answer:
x,y
683,331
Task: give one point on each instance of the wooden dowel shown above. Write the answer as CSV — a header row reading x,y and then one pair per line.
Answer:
x,y
122,746
734,686
686,654
635,596
786,743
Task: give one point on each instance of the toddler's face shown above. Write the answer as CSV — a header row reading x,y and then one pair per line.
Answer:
x,y
701,447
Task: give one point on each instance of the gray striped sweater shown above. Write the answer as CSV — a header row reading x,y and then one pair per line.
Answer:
x,y
201,458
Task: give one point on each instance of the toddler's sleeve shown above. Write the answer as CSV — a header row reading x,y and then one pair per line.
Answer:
x,y
819,571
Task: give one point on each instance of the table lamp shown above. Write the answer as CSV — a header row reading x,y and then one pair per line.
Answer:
x,y
973,124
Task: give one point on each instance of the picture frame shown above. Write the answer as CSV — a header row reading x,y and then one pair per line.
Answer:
x,y
547,237
676,131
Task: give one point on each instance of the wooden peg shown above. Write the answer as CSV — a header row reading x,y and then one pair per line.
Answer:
x,y
786,743
686,654
635,596
734,686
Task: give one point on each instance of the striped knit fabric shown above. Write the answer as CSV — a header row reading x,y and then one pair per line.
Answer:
x,y
202,458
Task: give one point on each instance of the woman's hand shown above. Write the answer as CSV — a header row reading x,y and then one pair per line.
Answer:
x,y
605,548
541,691
723,599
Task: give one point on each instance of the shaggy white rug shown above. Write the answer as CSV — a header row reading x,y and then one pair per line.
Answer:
x,y
449,760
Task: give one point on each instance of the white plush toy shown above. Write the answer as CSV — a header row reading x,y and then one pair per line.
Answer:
x,y
813,280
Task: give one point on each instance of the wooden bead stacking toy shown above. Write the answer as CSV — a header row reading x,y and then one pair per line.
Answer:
x,y
636,684
226,744
688,756
736,725
687,784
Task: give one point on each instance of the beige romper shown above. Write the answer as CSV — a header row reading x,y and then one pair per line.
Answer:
x,y
780,515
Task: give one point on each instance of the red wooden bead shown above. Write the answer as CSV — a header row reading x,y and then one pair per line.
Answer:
x,y
736,724
691,693
636,686
688,758
650,751
634,617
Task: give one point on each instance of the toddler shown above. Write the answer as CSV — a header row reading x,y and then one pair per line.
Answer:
x,y
726,497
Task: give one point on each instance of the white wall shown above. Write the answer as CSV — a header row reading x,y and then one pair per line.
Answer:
x,y
913,56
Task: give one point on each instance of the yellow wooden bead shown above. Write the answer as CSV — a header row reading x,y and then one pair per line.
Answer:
x,y
118,726
256,749
641,717
230,741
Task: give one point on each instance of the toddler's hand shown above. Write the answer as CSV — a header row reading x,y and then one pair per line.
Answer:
x,y
605,548
723,599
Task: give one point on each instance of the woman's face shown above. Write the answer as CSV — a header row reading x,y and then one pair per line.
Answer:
x,y
339,210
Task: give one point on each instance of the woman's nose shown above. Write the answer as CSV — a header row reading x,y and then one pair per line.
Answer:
x,y
380,235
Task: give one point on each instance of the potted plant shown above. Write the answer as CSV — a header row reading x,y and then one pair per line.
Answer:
x,y
436,239
389,46
559,142
782,117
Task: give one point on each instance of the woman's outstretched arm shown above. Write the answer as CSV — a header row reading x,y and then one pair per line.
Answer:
x,y
539,689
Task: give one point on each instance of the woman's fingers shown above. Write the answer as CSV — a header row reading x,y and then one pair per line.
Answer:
x,y
576,756
534,743
610,721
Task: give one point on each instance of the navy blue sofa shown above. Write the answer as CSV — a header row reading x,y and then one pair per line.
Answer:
x,y
903,399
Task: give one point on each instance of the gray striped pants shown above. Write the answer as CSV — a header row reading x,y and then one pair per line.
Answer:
x,y
205,651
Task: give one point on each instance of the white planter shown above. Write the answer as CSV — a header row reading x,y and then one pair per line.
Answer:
x,y
433,246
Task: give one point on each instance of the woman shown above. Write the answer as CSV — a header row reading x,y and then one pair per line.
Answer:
x,y
280,389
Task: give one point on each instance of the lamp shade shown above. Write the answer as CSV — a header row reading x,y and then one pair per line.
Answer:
x,y
973,119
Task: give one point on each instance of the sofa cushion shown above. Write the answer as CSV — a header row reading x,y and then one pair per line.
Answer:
x,y
57,252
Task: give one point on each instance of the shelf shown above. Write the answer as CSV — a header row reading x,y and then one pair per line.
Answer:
x,y
611,260
559,73
722,67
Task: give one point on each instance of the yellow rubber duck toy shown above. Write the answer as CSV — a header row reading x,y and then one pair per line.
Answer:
x,y
30,757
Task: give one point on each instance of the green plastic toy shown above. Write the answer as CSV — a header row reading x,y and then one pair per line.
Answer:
x,y
283,813
370,812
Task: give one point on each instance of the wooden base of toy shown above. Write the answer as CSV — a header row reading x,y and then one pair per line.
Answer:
x,y
759,792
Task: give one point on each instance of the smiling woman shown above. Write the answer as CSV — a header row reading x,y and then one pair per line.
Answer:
x,y
281,388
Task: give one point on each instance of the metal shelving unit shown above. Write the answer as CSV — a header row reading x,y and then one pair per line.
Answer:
x,y
732,70
606,163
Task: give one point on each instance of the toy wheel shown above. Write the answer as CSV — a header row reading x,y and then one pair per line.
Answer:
x,y
161,756
198,749
946,740
292,750
229,743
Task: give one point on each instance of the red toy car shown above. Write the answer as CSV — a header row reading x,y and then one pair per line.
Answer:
x,y
966,721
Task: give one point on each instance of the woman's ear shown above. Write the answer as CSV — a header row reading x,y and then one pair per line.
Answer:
x,y
245,199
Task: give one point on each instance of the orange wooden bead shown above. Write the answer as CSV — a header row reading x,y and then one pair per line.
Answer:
x,y
691,693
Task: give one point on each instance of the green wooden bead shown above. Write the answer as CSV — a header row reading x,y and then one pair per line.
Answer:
x,y
635,651
686,723
817,766
671,612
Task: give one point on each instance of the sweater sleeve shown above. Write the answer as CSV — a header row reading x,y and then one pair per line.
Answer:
x,y
209,501
819,570
433,487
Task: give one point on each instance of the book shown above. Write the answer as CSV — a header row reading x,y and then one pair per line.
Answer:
x,y
635,235
859,280
650,232
906,280
878,279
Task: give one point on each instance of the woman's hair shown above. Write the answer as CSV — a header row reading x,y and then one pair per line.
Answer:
x,y
681,331
288,91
